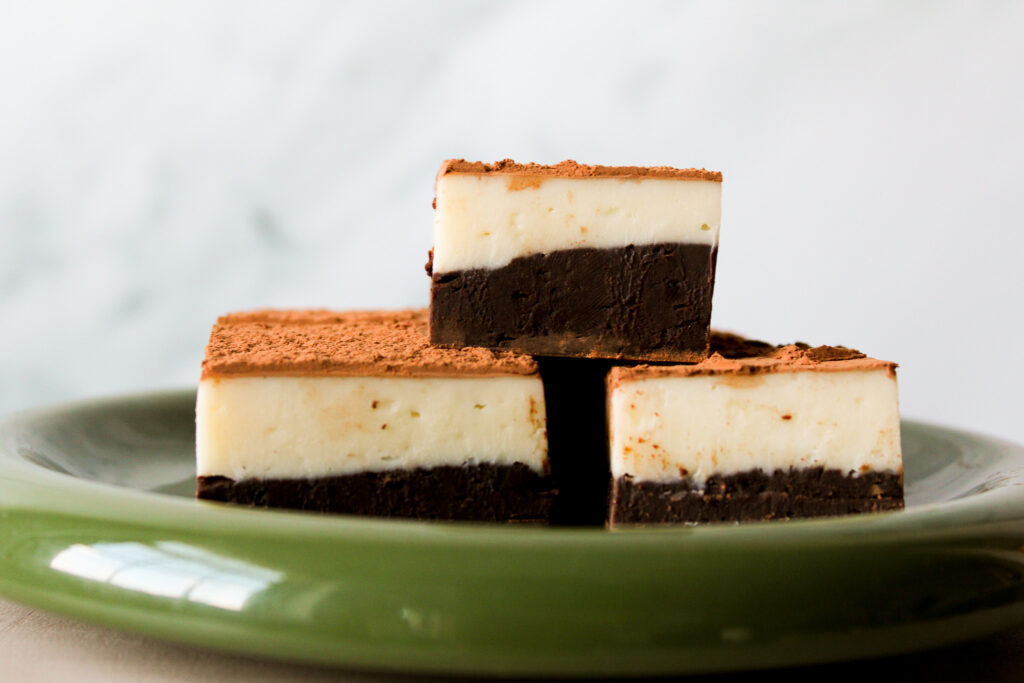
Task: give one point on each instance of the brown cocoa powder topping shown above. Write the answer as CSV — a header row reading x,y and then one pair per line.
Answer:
x,y
354,343
572,169
735,355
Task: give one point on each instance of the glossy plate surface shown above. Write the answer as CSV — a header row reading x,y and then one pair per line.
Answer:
x,y
97,522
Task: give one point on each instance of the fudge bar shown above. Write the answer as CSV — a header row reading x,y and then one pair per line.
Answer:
x,y
755,432
357,413
574,260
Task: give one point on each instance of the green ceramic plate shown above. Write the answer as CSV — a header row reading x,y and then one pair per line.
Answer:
x,y
97,522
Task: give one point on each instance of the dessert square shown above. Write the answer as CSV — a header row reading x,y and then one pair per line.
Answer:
x,y
755,432
574,260
357,413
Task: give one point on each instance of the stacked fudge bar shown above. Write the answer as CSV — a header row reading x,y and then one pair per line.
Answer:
x,y
565,373
573,260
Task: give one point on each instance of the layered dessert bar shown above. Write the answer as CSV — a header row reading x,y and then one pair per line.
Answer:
x,y
357,413
755,432
574,260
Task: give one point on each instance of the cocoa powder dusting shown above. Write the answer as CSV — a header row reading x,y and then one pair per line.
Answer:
x,y
735,355
356,343
572,169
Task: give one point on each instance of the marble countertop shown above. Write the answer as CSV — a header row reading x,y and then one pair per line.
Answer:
x,y
168,162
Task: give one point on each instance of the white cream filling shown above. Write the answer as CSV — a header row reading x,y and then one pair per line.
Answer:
x,y
485,221
295,427
666,428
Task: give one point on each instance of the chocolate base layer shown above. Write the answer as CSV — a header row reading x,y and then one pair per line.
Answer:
x,y
756,495
486,493
650,302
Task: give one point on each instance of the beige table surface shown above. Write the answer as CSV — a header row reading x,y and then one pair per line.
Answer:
x,y
37,646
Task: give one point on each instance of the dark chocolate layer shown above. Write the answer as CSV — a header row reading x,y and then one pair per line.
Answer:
x,y
756,495
650,302
574,394
486,493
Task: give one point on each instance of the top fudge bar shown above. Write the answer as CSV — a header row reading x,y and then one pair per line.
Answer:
x,y
574,260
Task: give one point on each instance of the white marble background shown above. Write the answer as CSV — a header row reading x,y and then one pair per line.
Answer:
x,y
164,162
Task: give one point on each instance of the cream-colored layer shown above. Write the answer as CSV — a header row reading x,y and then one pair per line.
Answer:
x,y
663,429
287,427
485,221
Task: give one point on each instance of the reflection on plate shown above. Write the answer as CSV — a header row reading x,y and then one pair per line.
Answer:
x,y
97,521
